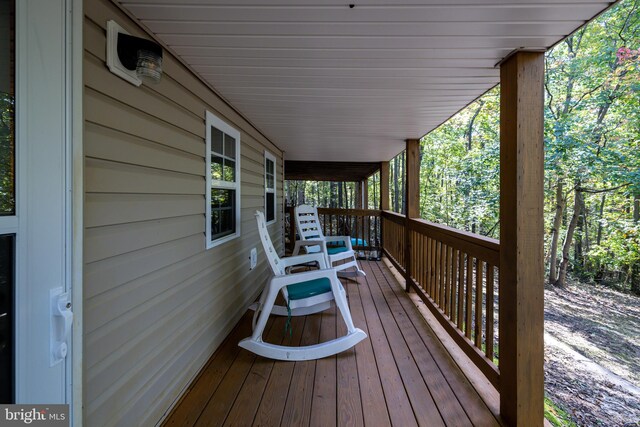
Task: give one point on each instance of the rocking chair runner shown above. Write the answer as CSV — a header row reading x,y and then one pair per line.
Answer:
x,y
305,293
314,241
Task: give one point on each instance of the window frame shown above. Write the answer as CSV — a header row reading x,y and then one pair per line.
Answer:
x,y
270,157
216,122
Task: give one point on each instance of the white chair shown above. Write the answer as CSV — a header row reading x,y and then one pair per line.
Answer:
x,y
340,255
304,293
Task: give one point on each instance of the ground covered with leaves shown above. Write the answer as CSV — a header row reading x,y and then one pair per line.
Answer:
x,y
592,354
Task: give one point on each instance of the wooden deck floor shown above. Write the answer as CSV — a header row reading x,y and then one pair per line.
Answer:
x,y
400,375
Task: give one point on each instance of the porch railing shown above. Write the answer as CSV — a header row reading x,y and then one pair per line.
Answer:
x,y
363,225
454,273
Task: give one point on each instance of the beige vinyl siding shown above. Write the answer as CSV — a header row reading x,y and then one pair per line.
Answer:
x,y
157,304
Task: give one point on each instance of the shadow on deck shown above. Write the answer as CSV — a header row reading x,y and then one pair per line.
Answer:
x,y
401,375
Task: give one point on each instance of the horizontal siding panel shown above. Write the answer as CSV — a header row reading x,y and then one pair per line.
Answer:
x,y
100,79
94,40
108,144
125,392
106,242
109,209
104,275
113,114
150,320
111,177
110,305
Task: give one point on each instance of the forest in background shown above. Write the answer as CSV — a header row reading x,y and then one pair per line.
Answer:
x,y
592,159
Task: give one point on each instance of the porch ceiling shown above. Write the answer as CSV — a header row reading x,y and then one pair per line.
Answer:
x,y
329,82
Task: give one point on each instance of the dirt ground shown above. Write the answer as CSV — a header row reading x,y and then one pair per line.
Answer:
x,y
592,354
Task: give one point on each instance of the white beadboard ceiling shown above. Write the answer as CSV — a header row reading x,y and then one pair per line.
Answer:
x,y
328,82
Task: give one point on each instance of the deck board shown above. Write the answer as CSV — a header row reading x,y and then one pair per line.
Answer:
x,y
401,375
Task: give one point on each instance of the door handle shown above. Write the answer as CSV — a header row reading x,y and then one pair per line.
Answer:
x,y
61,322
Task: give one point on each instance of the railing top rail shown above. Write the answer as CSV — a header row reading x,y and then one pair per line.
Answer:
x,y
394,216
353,212
487,242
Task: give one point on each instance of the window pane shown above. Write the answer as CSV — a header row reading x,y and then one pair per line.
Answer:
x,y
271,207
270,182
216,140
7,253
223,216
7,110
229,170
269,167
229,146
216,167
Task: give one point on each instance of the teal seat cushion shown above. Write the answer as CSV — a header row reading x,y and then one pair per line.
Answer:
x,y
358,242
309,288
332,250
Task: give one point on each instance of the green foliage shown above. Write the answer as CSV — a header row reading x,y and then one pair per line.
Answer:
x,y
592,143
459,181
323,194
557,416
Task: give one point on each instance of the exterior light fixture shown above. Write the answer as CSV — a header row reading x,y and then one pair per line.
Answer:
x,y
132,58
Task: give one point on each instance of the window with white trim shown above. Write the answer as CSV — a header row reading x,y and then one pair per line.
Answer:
x,y
269,187
223,181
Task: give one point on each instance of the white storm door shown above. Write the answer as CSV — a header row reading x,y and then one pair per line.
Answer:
x,y
39,225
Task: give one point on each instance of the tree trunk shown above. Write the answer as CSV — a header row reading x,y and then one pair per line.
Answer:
x,y
564,264
555,232
578,253
469,132
600,213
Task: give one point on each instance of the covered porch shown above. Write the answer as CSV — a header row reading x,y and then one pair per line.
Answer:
x,y
311,89
402,375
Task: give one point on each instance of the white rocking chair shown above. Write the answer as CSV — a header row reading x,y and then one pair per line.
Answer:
x,y
304,293
314,241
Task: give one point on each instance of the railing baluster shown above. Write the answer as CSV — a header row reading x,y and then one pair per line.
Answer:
x,y
478,311
461,291
434,268
447,280
450,282
437,281
489,313
454,283
443,274
423,265
468,302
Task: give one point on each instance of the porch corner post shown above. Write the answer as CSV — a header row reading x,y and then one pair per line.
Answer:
x,y
412,198
521,239
365,193
384,199
384,186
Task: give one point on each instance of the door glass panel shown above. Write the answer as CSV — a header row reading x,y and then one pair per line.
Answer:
x,y
7,253
7,111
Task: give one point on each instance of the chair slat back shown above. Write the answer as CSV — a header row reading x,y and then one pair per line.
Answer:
x,y
269,250
308,224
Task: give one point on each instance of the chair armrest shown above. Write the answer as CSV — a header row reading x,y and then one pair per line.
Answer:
x,y
345,239
314,242
303,259
291,279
